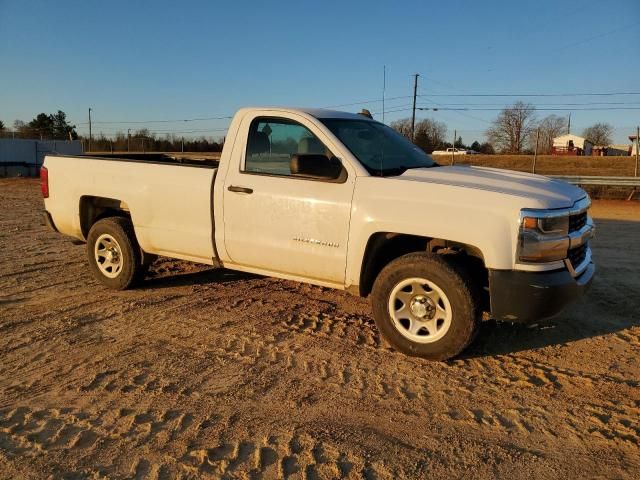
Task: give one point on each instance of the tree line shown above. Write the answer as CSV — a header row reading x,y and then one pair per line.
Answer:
x,y
145,141
55,127
44,126
431,135
516,130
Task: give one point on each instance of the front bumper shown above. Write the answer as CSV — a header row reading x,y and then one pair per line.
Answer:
x,y
519,296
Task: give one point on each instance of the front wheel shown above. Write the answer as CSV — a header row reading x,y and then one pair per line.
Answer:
x,y
113,252
424,307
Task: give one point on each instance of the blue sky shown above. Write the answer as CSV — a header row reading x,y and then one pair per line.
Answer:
x,y
160,60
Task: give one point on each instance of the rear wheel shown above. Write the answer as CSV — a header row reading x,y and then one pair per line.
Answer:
x,y
114,255
424,307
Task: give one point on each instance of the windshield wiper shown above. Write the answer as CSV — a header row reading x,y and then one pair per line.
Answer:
x,y
399,170
390,172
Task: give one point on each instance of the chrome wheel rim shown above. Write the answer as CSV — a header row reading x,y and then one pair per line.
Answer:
x,y
420,310
108,255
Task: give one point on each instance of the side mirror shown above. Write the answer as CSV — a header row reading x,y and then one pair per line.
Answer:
x,y
318,167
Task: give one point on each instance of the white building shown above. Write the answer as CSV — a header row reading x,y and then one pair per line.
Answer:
x,y
571,144
634,144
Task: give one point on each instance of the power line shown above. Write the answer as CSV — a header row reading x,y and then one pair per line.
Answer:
x,y
585,94
127,122
541,109
207,130
131,122
363,102
583,106
538,104
600,35
465,114
224,117
404,109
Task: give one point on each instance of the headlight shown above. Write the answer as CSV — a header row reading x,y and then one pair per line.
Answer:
x,y
543,238
558,225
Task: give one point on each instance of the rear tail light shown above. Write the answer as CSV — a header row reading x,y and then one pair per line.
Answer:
x,y
44,182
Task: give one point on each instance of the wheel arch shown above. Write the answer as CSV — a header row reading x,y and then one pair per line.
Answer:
x,y
384,247
93,208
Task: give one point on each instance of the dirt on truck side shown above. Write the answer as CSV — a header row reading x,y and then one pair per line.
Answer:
x,y
203,373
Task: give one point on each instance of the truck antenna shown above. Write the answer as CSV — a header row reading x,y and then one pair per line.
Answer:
x,y
384,87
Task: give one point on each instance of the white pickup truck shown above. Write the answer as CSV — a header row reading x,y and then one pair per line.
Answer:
x,y
338,200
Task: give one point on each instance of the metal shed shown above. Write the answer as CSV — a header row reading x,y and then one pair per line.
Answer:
x,y
23,158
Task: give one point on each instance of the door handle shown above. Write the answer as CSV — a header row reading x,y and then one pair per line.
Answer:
x,y
234,188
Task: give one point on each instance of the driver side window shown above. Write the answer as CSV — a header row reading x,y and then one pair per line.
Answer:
x,y
275,145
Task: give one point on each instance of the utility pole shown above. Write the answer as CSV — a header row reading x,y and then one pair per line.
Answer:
x,y
89,129
128,138
413,114
182,144
535,153
569,124
637,145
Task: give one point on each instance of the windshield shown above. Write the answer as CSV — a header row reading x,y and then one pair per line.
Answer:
x,y
380,149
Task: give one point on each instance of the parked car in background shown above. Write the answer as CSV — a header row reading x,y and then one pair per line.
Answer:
x,y
455,151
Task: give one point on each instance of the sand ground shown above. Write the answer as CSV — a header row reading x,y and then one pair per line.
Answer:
x,y
204,373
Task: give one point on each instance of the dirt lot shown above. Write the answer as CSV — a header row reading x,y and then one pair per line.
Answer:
x,y
211,373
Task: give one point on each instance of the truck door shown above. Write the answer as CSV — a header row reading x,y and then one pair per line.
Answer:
x,y
277,218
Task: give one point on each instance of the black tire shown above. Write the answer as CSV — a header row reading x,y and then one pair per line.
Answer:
x,y
131,269
464,318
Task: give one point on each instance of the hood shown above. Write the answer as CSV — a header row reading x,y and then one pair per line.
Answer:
x,y
547,191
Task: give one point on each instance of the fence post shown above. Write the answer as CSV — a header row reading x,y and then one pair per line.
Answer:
x,y
637,148
535,152
453,146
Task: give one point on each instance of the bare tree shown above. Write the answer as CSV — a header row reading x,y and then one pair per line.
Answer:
x,y
22,130
510,131
429,134
599,133
403,127
549,127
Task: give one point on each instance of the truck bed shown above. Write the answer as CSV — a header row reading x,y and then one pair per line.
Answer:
x,y
190,159
169,200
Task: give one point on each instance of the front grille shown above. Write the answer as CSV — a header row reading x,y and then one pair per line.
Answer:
x,y
578,254
577,221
